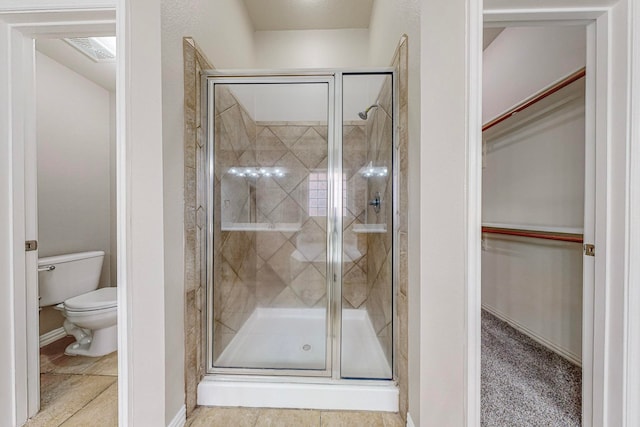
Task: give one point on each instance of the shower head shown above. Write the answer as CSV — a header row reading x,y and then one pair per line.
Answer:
x,y
363,114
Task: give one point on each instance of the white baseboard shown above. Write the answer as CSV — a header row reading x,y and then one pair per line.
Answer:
x,y
52,336
567,354
180,419
410,421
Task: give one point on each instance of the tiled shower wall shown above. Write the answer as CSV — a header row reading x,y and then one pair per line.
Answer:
x,y
356,292
195,222
379,134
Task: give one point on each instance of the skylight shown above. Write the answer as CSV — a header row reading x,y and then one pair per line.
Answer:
x,y
98,49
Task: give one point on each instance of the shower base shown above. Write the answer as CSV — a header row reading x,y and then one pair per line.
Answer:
x,y
295,339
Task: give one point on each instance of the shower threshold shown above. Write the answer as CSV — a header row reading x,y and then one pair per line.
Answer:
x,y
294,338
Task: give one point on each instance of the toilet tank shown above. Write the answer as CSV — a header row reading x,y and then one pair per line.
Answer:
x,y
61,277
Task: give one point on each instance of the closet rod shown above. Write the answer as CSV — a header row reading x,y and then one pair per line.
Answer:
x,y
563,237
537,98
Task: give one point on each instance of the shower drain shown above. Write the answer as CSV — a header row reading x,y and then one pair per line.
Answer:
x,y
306,347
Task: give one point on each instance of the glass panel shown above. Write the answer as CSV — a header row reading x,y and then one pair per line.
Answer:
x,y
367,285
270,220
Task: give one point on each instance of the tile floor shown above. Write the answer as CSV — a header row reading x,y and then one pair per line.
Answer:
x,y
250,417
81,391
76,390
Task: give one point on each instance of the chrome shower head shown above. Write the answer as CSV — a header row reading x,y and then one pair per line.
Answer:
x,y
363,114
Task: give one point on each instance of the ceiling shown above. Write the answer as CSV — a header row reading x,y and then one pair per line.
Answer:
x,y
273,15
101,73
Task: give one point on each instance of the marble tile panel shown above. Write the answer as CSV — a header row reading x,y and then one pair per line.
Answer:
x,y
287,299
385,337
100,412
288,418
268,243
403,263
269,194
287,263
354,287
311,241
235,249
190,146
223,98
309,286
240,302
268,286
269,149
310,149
403,325
374,308
249,126
295,172
222,336
287,211
289,135
247,272
248,158
403,385
385,99
322,131
235,129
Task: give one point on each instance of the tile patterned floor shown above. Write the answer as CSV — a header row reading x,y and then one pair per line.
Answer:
x,y
249,417
76,390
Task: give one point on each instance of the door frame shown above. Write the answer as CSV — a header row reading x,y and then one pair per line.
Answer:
x,y
140,236
613,168
21,24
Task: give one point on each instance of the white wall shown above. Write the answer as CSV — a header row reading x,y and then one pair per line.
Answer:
x,y
534,175
390,19
524,60
223,30
75,171
312,48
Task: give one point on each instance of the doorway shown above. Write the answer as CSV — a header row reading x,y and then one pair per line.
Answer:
x,y
75,140
538,149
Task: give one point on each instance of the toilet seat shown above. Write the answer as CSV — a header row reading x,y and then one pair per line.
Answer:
x,y
99,300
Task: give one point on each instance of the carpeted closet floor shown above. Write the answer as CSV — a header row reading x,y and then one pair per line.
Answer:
x,y
523,383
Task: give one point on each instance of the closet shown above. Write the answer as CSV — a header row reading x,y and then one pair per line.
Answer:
x,y
533,217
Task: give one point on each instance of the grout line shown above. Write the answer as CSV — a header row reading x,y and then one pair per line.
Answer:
x,y
80,409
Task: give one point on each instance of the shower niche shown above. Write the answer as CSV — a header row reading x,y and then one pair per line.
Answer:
x,y
301,225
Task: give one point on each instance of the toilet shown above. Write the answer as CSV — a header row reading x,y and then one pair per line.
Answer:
x,y
70,284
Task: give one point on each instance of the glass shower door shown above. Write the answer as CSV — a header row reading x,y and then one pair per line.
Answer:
x,y
268,222
367,249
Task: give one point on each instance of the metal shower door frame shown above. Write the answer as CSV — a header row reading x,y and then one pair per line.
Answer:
x,y
334,80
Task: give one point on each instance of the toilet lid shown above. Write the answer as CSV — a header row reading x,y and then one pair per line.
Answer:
x,y
98,299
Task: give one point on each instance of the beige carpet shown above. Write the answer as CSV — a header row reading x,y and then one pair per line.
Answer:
x,y
523,383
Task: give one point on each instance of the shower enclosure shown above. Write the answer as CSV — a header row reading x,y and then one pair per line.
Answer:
x,y
301,224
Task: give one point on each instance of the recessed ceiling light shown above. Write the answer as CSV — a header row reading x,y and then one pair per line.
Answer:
x,y
98,49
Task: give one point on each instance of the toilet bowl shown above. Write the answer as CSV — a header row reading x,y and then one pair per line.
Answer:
x,y
70,284
92,319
